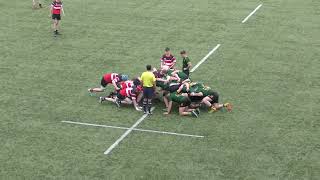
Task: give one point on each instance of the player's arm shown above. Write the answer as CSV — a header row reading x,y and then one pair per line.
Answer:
x,y
62,10
180,88
161,62
51,10
141,80
154,83
114,83
169,108
189,66
135,104
173,64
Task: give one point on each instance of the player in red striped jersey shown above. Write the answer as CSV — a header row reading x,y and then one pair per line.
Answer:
x,y
125,96
168,59
126,84
109,78
56,8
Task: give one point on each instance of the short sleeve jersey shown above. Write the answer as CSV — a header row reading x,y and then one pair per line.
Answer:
x,y
148,79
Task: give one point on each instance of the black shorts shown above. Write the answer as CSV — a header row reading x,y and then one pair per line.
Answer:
x,y
187,72
186,103
56,16
196,98
214,97
148,92
174,88
103,82
120,97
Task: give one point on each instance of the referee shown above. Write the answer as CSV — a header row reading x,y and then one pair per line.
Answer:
x,y
148,81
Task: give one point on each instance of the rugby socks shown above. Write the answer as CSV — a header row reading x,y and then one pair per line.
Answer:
x,y
145,101
149,105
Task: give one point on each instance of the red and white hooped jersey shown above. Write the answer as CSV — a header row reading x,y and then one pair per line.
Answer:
x,y
126,84
56,7
128,92
110,77
168,60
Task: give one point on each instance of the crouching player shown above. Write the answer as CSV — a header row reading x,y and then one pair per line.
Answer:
x,y
109,78
125,96
210,98
184,102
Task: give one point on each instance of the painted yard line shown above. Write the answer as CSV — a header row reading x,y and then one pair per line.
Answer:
x,y
255,10
171,133
126,133
95,125
205,58
135,129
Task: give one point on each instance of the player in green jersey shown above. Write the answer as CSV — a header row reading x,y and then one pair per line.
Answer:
x,y
208,97
186,63
184,101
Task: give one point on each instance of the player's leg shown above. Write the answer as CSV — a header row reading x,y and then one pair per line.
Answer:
x,y
147,100
33,4
103,84
119,99
165,99
183,111
57,26
216,105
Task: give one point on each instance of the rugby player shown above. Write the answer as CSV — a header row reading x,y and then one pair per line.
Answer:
x,y
204,94
184,102
109,78
56,8
125,96
168,59
186,63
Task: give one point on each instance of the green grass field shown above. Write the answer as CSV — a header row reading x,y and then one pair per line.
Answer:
x,y
267,67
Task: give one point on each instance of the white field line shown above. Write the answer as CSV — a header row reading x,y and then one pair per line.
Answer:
x,y
135,129
254,11
171,133
205,58
126,133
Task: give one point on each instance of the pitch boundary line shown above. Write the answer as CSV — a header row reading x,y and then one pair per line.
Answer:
x,y
205,58
135,129
254,11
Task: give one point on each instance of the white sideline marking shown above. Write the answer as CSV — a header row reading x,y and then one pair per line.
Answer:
x,y
255,10
126,133
205,58
171,133
96,125
135,129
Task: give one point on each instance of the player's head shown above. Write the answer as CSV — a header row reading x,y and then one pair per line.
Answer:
x,y
214,96
124,77
183,53
167,51
137,89
164,69
136,81
149,68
